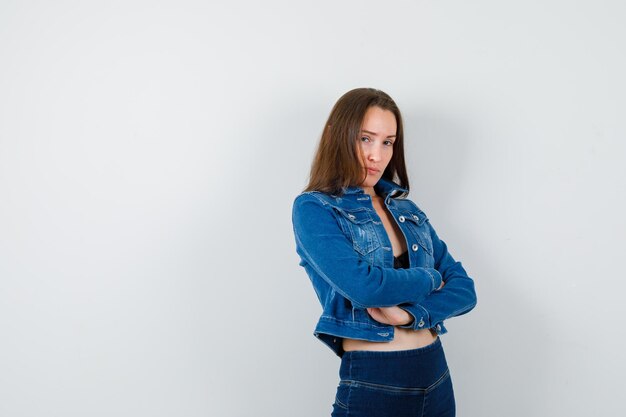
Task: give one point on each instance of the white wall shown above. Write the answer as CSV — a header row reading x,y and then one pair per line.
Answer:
x,y
150,152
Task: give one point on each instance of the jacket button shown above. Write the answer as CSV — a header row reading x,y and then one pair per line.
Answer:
x,y
438,327
401,218
416,217
351,216
414,247
421,323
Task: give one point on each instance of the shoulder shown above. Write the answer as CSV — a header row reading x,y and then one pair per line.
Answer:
x,y
320,204
319,196
314,213
310,204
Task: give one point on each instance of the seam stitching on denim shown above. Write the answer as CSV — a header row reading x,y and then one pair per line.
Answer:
x,y
388,388
439,381
349,388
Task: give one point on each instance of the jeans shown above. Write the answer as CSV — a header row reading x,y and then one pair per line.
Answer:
x,y
404,383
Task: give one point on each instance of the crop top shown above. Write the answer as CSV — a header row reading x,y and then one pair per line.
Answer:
x,y
402,260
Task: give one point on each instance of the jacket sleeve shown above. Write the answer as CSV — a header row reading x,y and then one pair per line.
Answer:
x,y
457,296
321,243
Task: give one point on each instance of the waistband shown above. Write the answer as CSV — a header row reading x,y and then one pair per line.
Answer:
x,y
412,368
395,353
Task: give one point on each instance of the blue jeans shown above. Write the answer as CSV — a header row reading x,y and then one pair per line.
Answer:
x,y
404,383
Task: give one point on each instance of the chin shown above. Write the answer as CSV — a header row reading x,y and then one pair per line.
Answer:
x,y
370,182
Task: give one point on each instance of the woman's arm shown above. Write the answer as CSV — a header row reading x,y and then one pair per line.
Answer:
x,y
321,243
396,316
457,297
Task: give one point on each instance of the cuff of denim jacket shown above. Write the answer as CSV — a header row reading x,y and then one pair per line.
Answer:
x,y
435,276
421,318
440,328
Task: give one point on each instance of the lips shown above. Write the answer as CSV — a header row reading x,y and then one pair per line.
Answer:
x,y
373,170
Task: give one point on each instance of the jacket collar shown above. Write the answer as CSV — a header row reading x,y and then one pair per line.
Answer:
x,y
383,187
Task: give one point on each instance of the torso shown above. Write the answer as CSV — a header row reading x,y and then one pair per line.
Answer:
x,y
403,338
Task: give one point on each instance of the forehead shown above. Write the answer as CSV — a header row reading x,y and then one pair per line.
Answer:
x,y
379,121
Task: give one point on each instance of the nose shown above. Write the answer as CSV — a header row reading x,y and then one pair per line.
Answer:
x,y
374,154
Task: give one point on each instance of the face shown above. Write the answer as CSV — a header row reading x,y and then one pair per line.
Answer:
x,y
378,133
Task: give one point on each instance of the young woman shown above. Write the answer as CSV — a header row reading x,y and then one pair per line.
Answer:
x,y
385,280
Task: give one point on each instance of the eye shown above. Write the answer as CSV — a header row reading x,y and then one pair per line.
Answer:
x,y
364,138
390,143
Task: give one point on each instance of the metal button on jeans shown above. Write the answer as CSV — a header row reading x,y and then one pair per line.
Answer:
x,y
401,218
416,217
414,247
421,323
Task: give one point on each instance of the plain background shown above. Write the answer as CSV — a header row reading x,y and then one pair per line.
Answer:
x,y
150,153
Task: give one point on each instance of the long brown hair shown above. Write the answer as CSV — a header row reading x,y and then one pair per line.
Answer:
x,y
337,161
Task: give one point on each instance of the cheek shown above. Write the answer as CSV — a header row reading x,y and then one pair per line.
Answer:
x,y
388,155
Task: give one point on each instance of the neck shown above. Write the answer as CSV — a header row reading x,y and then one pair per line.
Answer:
x,y
370,191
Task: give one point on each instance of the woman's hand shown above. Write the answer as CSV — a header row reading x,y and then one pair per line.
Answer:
x,y
390,315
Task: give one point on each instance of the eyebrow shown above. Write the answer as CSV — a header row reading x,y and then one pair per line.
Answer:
x,y
374,133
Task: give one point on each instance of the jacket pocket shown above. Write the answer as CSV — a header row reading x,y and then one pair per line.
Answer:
x,y
358,224
416,223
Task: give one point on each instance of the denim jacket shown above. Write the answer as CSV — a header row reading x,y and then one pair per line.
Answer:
x,y
347,254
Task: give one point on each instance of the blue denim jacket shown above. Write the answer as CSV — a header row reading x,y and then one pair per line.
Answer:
x,y
347,254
